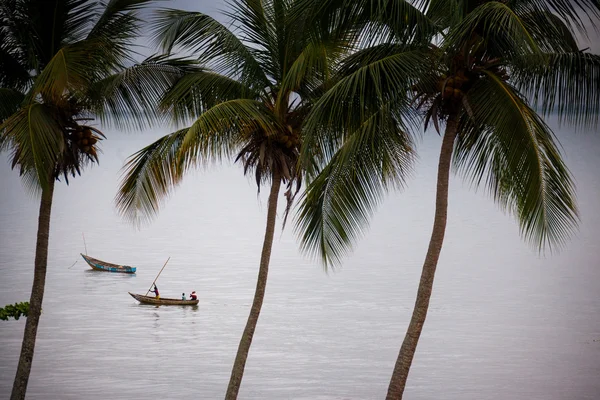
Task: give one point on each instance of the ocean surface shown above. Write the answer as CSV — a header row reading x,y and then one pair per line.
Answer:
x,y
505,322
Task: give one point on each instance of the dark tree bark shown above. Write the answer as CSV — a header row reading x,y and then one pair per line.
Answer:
x,y
409,345
237,372
37,295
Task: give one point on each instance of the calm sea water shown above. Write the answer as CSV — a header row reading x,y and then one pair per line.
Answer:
x,y
504,323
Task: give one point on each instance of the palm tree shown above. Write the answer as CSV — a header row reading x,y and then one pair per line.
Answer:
x,y
62,64
249,102
489,71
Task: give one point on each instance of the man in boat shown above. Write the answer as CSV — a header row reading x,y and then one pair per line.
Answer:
x,y
182,296
193,295
155,291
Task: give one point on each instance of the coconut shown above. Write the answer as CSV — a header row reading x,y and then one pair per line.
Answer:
x,y
92,140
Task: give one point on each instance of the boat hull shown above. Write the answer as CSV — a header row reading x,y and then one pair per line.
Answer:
x,y
100,265
163,301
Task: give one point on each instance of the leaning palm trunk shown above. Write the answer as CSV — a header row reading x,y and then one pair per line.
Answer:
x,y
409,346
37,295
237,372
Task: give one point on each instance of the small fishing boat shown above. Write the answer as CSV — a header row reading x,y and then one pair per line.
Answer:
x,y
163,300
99,265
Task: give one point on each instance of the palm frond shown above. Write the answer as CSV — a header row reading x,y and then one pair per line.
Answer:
x,y
548,30
195,92
18,34
515,152
131,98
255,20
218,132
13,70
55,24
116,30
213,42
494,28
565,83
36,140
314,62
380,20
149,176
113,12
336,208
572,12
10,101
443,13
71,69
370,78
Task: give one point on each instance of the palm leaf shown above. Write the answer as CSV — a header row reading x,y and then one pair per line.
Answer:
x,y
548,30
131,98
337,205
570,11
10,101
116,30
516,153
565,83
14,73
217,133
149,177
71,69
195,92
381,20
36,140
312,63
199,33
113,12
502,33
371,78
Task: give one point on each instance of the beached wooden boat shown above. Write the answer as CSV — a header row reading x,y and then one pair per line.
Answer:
x,y
163,300
99,265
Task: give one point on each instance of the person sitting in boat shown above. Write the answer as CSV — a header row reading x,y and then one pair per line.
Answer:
x,y
193,295
182,296
155,291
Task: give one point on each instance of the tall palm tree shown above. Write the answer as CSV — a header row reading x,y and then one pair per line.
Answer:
x,y
64,63
486,72
249,102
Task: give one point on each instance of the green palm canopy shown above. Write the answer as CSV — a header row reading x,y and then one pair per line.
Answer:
x,y
484,74
60,74
65,66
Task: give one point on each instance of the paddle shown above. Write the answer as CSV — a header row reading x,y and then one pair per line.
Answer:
x,y
161,270
85,245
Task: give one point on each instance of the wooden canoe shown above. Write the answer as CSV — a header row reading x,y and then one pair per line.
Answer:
x,y
99,265
163,300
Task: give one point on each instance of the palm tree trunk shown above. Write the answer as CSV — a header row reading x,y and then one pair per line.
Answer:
x,y
409,345
37,295
237,372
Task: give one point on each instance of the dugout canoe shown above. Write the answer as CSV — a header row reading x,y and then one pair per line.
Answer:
x,y
100,265
163,301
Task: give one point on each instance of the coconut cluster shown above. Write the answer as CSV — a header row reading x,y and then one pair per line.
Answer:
x,y
85,140
453,86
289,139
